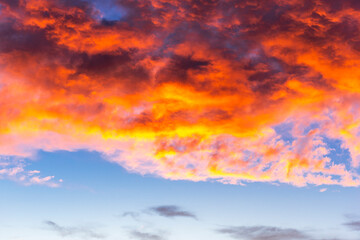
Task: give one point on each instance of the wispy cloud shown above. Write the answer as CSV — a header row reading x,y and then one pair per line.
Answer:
x,y
353,222
263,233
84,232
133,215
146,236
15,169
172,211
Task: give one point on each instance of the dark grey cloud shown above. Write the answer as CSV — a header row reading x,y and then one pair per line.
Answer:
x,y
263,233
84,232
145,236
172,211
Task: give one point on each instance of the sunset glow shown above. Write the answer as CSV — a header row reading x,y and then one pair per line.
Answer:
x,y
196,91
180,119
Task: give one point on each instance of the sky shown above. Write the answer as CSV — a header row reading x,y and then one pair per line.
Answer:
x,y
173,120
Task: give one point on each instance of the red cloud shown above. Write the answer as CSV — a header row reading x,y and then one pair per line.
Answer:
x,y
187,89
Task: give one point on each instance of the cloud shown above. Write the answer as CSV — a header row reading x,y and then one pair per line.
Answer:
x,y
145,236
269,233
84,232
15,169
133,215
263,233
171,211
353,225
203,89
353,222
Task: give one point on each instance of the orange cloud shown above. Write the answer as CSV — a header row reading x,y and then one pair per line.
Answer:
x,y
190,90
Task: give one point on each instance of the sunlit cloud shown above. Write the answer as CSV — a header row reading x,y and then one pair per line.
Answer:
x,y
204,91
16,170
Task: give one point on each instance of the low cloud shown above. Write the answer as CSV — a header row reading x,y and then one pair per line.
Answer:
x,y
145,236
133,215
263,233
353,223
171,211
84,232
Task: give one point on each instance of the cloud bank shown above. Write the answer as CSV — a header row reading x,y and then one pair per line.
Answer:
x,y
229,91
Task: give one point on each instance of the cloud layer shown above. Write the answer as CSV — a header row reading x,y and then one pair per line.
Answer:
x,y
232,91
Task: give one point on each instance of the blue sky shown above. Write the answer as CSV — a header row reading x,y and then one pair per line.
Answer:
x,y
95,194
